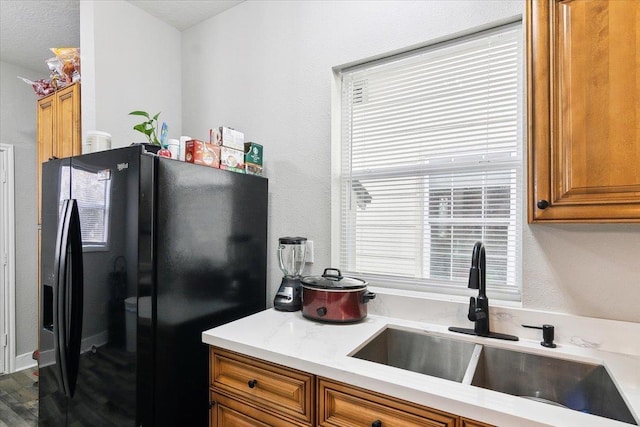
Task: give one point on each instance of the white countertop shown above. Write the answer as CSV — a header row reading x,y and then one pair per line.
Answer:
x,y
322,349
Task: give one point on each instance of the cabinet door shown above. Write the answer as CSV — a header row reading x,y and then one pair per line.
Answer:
x,y
68,133
272,387
46,124
59,129
223,416
584,110
340,405
228,410
472,423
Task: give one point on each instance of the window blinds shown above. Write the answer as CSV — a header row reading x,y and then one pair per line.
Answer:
x,y
431,162
92,193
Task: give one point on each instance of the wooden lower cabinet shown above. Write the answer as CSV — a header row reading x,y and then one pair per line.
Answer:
x,y
245,391
265,392
341,405
228,411
464,422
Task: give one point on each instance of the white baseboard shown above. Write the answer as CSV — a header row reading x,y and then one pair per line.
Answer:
x,y
47,357
98,340
24,361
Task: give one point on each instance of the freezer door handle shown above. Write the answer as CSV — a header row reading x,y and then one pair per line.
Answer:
x,y
59,297
69,294
75,288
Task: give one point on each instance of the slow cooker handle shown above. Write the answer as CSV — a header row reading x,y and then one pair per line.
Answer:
x,y
366,296
332,276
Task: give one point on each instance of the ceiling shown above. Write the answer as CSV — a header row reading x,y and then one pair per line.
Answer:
x,y
183,14
29,28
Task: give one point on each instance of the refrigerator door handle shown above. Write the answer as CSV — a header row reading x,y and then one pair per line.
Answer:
x,y
69,287
75,291
59,297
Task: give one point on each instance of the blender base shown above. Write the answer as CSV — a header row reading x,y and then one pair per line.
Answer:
x,y
289,296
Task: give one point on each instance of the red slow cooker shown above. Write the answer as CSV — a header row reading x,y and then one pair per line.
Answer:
x,y
335,298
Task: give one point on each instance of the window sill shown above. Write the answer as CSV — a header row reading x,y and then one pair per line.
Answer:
x,y
448,310
431,296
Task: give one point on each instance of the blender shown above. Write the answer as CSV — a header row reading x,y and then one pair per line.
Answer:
x,y
292,252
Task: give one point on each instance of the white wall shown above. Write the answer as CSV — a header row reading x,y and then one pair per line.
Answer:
x,y
130,61
18,118
264,67
586,269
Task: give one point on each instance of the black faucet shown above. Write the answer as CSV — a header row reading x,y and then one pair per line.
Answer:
x,y
479,306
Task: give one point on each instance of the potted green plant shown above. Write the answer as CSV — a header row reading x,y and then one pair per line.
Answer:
x,y
148,127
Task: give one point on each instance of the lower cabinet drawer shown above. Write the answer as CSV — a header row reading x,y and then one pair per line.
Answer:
x,y
275,388
229,412
464,422
223,416
342,405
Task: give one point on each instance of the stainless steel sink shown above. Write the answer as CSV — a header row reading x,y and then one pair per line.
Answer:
x,y
579,386
575,385
419,352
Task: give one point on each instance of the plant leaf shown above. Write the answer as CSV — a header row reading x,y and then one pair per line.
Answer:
x,y
156,116
140,128
140,113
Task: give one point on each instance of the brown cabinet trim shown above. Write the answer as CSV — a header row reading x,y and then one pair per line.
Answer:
x,y
341,405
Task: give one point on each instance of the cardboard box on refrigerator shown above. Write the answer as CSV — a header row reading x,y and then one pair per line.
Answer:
x,y
231,138
253,158
201,153
231,159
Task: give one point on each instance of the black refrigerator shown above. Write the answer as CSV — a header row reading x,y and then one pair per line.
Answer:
x,y
139,255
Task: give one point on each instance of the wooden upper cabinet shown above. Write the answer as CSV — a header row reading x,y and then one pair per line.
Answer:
x,y
68,116
583,110
46,138
58,120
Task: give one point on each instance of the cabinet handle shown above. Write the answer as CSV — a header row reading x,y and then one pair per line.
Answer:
x,y
212,404
252,383
542,204
376,423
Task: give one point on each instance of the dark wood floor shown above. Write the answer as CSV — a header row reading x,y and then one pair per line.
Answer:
x,y
19,399
104,369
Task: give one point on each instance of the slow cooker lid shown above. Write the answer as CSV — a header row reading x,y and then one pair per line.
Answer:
x,y
292,240
332,278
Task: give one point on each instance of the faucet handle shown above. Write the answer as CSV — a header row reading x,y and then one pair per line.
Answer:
x,y
548,333
475,313
472,309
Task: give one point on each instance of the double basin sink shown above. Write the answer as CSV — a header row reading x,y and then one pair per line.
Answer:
x,y
580,386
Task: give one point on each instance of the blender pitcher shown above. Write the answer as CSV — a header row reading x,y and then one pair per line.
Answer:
x,y
292,252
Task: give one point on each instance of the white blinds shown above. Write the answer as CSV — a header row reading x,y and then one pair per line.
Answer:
x,y
93,196
431,163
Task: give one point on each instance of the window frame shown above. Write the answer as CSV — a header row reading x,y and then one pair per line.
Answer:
x,y
440,288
